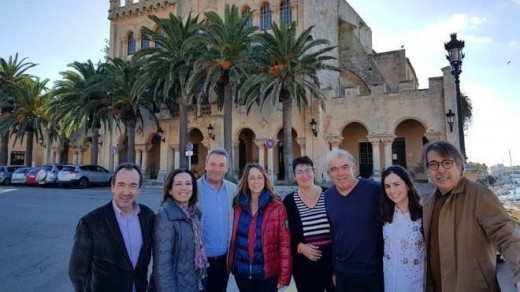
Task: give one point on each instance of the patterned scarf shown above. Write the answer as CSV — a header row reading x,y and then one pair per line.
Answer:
x,y
201,260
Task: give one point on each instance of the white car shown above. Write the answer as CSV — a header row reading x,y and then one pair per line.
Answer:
x,y
19,176
83,175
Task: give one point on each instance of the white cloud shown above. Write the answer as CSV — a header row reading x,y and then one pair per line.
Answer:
x,y
513,43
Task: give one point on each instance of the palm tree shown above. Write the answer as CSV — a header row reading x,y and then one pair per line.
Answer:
x,y
170,67
225,62
28,115
128,95
81,103
287,73
11,74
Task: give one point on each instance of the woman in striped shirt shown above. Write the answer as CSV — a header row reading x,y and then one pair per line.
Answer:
x,y
310,231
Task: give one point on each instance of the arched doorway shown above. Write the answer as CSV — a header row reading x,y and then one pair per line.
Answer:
x,y
154,156
87,150
247,149
407,146
279,157
355,141
198,159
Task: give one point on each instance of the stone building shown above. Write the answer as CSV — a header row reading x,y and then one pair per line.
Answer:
x,y
373,109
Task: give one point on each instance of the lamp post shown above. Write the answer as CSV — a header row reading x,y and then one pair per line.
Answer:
x,y
313,124
450,116
455,55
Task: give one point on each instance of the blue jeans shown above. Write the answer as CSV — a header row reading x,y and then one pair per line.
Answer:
x,y
359,282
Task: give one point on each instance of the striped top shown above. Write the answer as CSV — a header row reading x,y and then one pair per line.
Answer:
x,y
316,227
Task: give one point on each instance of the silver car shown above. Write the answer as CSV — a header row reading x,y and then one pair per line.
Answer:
x,y
48,174
5,174
83,175
19,176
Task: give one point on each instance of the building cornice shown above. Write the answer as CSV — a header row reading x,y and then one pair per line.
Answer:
x,y
140,7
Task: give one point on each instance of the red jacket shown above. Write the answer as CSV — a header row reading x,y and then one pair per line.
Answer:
x,y
276,242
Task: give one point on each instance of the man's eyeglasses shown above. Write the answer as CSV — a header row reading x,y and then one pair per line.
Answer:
x,y
434,165
304,171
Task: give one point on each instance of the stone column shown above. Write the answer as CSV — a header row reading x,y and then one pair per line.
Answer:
x,y
235,157
260,143
144,167
53,157
116,160
376,156
334,140
80,156
138,157
387,141
301,141
177,154
75,158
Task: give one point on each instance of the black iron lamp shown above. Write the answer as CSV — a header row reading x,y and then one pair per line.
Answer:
x,y
41,141
160,134
210,132
450,117
313,124
455,55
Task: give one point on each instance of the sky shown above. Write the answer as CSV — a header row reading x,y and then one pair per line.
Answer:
x,y
56,33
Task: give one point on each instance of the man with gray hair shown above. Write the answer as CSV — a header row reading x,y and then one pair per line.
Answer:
x,y
464,225
216,203
352,207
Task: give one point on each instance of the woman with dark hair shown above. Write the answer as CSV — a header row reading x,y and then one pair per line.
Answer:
x,y
179,258
401,214
310,231
260,251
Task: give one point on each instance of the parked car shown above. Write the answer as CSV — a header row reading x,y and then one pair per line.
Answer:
x,y
6,173
84,175
48,174
20,175
30,178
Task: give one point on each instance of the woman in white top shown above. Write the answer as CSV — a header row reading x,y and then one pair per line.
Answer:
x,y
401,213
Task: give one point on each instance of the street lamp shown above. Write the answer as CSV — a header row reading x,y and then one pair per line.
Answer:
x,y
210,132
450,117
313,124
455,55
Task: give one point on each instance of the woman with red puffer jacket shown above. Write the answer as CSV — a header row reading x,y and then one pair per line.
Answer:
x,y
260,252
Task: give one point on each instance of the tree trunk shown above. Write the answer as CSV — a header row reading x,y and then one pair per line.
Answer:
x,y
228,128
183,133
4,149
29,149
95,146
287,135
130,133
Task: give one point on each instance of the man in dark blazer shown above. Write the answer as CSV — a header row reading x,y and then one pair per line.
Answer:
x,y
112,244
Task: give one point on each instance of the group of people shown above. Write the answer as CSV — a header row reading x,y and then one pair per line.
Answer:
x,y
356,235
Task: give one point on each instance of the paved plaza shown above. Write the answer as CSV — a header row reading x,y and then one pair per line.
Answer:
x,y
37,227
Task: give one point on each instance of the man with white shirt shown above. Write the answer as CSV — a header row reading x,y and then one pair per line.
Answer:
x,y
113,244
216,203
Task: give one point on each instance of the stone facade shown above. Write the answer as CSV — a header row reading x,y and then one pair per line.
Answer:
x,y
374,108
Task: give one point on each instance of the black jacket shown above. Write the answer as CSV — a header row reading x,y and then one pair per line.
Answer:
x,y
99,260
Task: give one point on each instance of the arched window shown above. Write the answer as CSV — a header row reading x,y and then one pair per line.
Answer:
x,y
131,44
285,12
145,41
158,43
247,13
265,17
